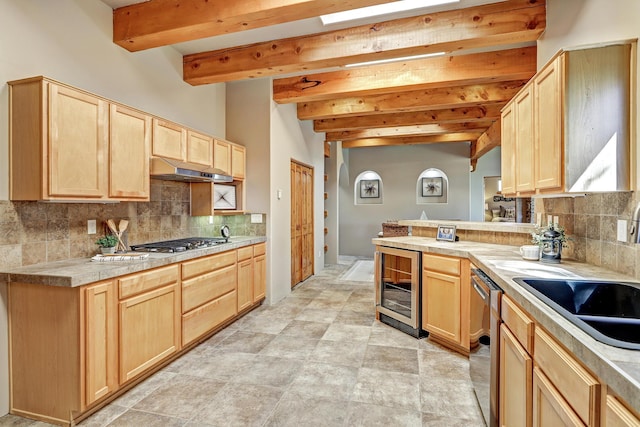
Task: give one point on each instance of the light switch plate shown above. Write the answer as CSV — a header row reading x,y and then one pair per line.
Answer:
x,y
256,218
622,230
91,226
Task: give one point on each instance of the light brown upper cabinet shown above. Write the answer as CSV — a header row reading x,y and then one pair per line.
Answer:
x,y
199,148
67,144
58,142
222,155
169,140
129,142
238,161
568,130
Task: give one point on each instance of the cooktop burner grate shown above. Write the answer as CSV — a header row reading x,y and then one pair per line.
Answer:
x,y
179,245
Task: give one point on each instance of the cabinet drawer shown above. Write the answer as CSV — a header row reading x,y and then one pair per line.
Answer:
x,y
207,264
579,388
142,282
207,287
259,249
520,324
442,264
245,253
201,320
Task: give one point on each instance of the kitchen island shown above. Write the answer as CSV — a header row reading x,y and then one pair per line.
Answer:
x,y
618,368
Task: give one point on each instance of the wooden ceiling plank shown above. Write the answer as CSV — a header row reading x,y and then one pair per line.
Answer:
x,y
487,141
158,23
411,140
432,129
452,115
477,68
419,100
511,22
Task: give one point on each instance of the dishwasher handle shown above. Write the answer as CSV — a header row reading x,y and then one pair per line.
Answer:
x,y
480,290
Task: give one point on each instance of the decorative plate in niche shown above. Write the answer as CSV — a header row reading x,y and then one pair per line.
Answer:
x,y
224,196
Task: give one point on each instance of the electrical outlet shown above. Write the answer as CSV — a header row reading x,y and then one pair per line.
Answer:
x,y
210,219
622,230
256,218
91,226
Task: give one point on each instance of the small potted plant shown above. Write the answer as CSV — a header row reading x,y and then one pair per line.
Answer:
x,y
107,244
551,240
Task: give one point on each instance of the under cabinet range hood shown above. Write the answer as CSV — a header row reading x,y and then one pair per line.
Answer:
x,y
175,170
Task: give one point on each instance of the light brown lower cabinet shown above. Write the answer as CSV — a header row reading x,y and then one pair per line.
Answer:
x,y
549,407
616,414
543,384
245,278
73,349
445,300
63,349
259,272
515,381
101,332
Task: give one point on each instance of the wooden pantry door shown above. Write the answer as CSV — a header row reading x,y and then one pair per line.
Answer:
x,y
301,222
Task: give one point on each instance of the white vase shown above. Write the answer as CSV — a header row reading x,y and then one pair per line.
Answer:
x,y
111,250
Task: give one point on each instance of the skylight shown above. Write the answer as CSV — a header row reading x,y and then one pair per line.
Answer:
x,y
381,9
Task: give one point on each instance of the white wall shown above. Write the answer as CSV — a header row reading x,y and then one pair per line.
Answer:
x,y
399,168
488,165
292,139
584,22
71,41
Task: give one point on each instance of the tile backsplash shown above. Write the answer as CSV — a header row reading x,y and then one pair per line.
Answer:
x,y
36,232
591,222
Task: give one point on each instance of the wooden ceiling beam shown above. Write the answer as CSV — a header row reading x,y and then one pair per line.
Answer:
x,y
487,141
419,100
505,23
477,68
452,115
157,23
433,129
411,140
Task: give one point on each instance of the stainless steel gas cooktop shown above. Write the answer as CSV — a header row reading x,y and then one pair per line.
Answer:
x,y
179,245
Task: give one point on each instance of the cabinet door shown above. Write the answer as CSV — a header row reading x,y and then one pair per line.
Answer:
x,y
222,156
515,401
78,138
617,415
169,140
101,345
149,330
549,408
508,150
238,161
245,283
129,142
525,138
199,149
549,126
441,305
259,272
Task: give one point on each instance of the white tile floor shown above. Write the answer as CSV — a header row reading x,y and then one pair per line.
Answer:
x,y
317,358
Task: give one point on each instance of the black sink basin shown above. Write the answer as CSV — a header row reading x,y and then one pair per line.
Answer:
x,y
608,311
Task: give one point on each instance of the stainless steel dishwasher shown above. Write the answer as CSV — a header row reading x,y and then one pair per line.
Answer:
x,y
483,360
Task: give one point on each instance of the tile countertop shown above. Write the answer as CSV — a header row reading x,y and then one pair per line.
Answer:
x,y
82,271
616,367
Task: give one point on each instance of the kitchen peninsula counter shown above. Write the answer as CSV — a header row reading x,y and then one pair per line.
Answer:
x,y
616,367
82,271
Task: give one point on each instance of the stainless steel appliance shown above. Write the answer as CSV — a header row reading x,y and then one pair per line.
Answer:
x,y
175,170
180,245
398,288
483,360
